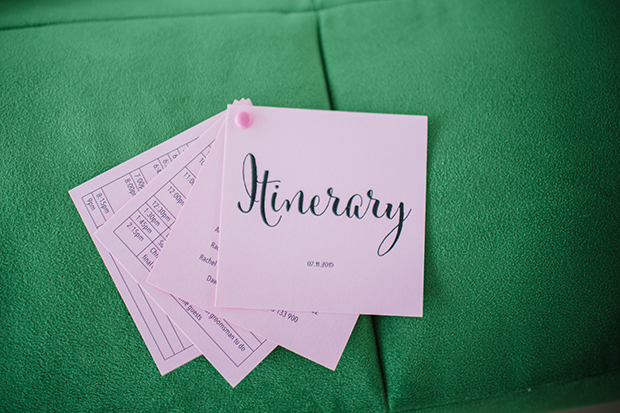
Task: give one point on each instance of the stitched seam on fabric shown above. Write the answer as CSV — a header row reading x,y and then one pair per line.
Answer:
x,y
510,393
159,17
181,15
331,106
380,361
322,57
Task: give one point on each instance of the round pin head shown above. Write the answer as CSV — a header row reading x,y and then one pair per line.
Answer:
x,y
243,120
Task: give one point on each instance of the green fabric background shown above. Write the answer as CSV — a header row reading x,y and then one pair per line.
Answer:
x,y
522,258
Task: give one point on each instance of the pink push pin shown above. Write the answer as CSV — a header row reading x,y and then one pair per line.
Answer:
x,y
243,120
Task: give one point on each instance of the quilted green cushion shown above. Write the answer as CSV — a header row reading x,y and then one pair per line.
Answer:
x,y
522,237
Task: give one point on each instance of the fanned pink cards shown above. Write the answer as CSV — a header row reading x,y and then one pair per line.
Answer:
x,y
276,227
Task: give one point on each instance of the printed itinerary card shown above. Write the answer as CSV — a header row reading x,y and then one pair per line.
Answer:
x,y
322,211
264,226
97,199
136,234
186,268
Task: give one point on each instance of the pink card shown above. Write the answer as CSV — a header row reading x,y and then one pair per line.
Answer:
x,y
322,211
186,268
96,200
135,236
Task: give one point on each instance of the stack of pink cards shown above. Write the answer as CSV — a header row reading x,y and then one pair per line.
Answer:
x,y
265,226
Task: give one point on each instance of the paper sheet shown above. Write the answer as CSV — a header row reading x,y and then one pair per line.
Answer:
x,y
135,236
323,211
96,200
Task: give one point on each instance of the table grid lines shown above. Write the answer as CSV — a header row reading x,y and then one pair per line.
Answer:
x,y
138,187
133,236
146,323
216,343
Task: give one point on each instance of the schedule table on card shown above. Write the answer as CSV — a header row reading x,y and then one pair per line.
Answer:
x,y
135,236
97,200
102,204
145,231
